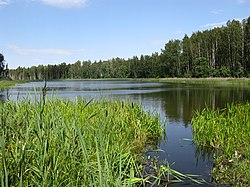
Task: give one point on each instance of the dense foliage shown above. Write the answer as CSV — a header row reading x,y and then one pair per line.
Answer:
x,y
219,52
62,143
3,67
227,133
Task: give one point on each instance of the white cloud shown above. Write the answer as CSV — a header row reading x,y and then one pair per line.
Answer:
x,y
220,24
44,51
4,2
213,25
65,3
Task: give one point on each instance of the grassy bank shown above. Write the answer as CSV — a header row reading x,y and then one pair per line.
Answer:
x,y
64,143
210,80
216,81
227,132
6,83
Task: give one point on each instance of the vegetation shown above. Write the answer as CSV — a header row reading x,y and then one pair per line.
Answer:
x,y
227,132
6,83
3,68
209,81
63,143
219,52
57,142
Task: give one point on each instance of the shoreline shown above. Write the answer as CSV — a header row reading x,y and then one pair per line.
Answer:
x,y
7,83
208,80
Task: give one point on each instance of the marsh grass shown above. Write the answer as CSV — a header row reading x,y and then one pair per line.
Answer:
x,y
7,83
227,132
80,143
55,142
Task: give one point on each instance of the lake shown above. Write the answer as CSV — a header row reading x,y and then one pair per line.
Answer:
x,y
174,102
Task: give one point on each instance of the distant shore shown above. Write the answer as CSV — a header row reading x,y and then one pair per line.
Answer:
x,y
209,80
7,83
223,80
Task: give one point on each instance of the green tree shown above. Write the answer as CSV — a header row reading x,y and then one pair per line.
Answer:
x,y
2,66
75,70
222,51
186,56
171,55
201,68
86,69
235,38
246,47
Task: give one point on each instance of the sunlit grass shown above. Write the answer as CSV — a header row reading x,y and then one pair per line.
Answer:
x,y
55,142
64,143
209,80
227,131
7,83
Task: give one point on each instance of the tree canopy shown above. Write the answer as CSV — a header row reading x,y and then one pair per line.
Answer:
x,y
2,65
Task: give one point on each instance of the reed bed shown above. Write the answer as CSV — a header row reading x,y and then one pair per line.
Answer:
x,y
227,132
57,142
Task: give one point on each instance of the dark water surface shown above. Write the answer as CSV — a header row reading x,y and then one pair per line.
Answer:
x,y
175,103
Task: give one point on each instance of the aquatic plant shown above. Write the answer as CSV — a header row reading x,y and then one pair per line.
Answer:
x,y
80,143
227,132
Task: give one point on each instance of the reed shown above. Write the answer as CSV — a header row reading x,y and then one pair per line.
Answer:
x,y
63,143
227,132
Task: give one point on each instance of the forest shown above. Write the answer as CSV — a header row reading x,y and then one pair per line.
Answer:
x,y
217,52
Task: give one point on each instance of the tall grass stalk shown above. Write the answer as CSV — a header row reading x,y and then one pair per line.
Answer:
x,y
227,132
58,142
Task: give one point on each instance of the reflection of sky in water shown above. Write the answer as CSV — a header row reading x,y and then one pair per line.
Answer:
x,y
173,102
89,85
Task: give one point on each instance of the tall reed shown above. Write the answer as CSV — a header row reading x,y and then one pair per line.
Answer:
x,y
227,131
80,143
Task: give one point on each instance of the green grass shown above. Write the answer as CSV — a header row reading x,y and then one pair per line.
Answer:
x,y
227,132
7,83
54,142
216,81
80,143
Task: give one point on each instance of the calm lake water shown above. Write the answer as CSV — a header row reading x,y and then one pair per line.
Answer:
x,y
175,103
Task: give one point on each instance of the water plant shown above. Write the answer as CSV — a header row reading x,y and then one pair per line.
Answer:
x,y
54,142
227,132
80,143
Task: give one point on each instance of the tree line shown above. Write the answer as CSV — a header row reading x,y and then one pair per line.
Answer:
x,y
3,68
218,52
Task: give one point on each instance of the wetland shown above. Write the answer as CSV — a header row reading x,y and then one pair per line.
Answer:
x,y
174,103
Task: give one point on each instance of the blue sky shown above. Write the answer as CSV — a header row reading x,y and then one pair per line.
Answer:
x,y
45,32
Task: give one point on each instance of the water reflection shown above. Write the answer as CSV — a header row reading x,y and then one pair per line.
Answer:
x,y
175,103
1,97
179,104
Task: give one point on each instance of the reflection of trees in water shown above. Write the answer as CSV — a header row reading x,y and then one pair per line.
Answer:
x,y
182,103
179,104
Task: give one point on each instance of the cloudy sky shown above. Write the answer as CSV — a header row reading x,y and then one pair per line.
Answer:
x,y
34,32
